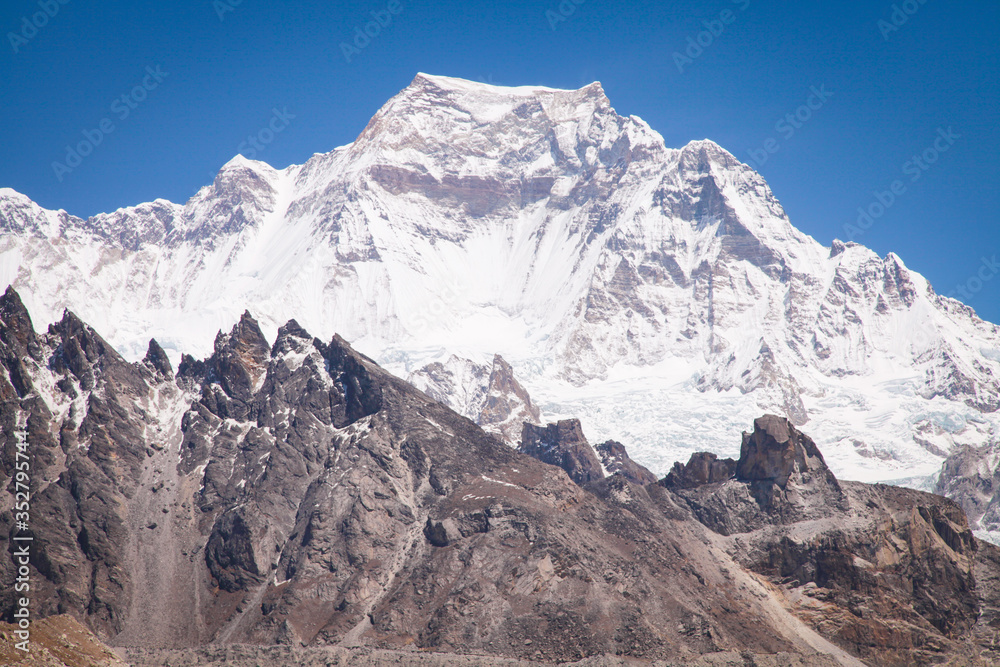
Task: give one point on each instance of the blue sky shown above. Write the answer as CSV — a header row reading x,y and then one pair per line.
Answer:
x,y
923,83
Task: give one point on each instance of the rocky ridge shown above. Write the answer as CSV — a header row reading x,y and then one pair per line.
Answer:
x,y
296,494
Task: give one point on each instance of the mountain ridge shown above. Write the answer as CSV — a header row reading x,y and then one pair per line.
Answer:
x,y
538,224
273,497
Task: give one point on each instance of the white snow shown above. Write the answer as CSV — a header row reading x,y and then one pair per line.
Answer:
x,y
497,481
539,224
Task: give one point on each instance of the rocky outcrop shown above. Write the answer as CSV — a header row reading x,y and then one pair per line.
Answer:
x,y
971,477
893,582
157,360
489,395
507,404
563,444
886,572
776,450
702,468
616,461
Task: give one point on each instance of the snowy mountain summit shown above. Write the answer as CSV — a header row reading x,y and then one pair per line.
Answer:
x,y
659,294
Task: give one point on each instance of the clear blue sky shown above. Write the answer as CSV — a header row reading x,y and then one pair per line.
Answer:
x,y
224,77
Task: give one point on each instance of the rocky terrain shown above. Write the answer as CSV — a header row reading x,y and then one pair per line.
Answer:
x,y
57,641
660,292
295,495
490,396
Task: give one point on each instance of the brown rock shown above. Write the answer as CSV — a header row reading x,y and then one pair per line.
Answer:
x,y
616,461
702,468
563,444
775,451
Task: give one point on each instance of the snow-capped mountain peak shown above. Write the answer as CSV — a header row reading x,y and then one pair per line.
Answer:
x,y
661,294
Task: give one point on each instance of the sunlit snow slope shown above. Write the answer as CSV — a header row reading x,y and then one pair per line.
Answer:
x,y
659,294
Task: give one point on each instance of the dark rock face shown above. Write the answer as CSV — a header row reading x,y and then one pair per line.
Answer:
x,y
896,587
563,444
702,468
83,412
775,451
158,361
969,477
298,494
358,394
240,359
617,462
229,554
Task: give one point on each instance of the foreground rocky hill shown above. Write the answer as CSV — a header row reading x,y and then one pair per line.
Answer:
x,y
56,641
296,494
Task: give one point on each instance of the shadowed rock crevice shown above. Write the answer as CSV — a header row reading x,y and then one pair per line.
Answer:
x,y
230,553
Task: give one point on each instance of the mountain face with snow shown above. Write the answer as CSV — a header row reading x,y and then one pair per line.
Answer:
x,y
661,294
